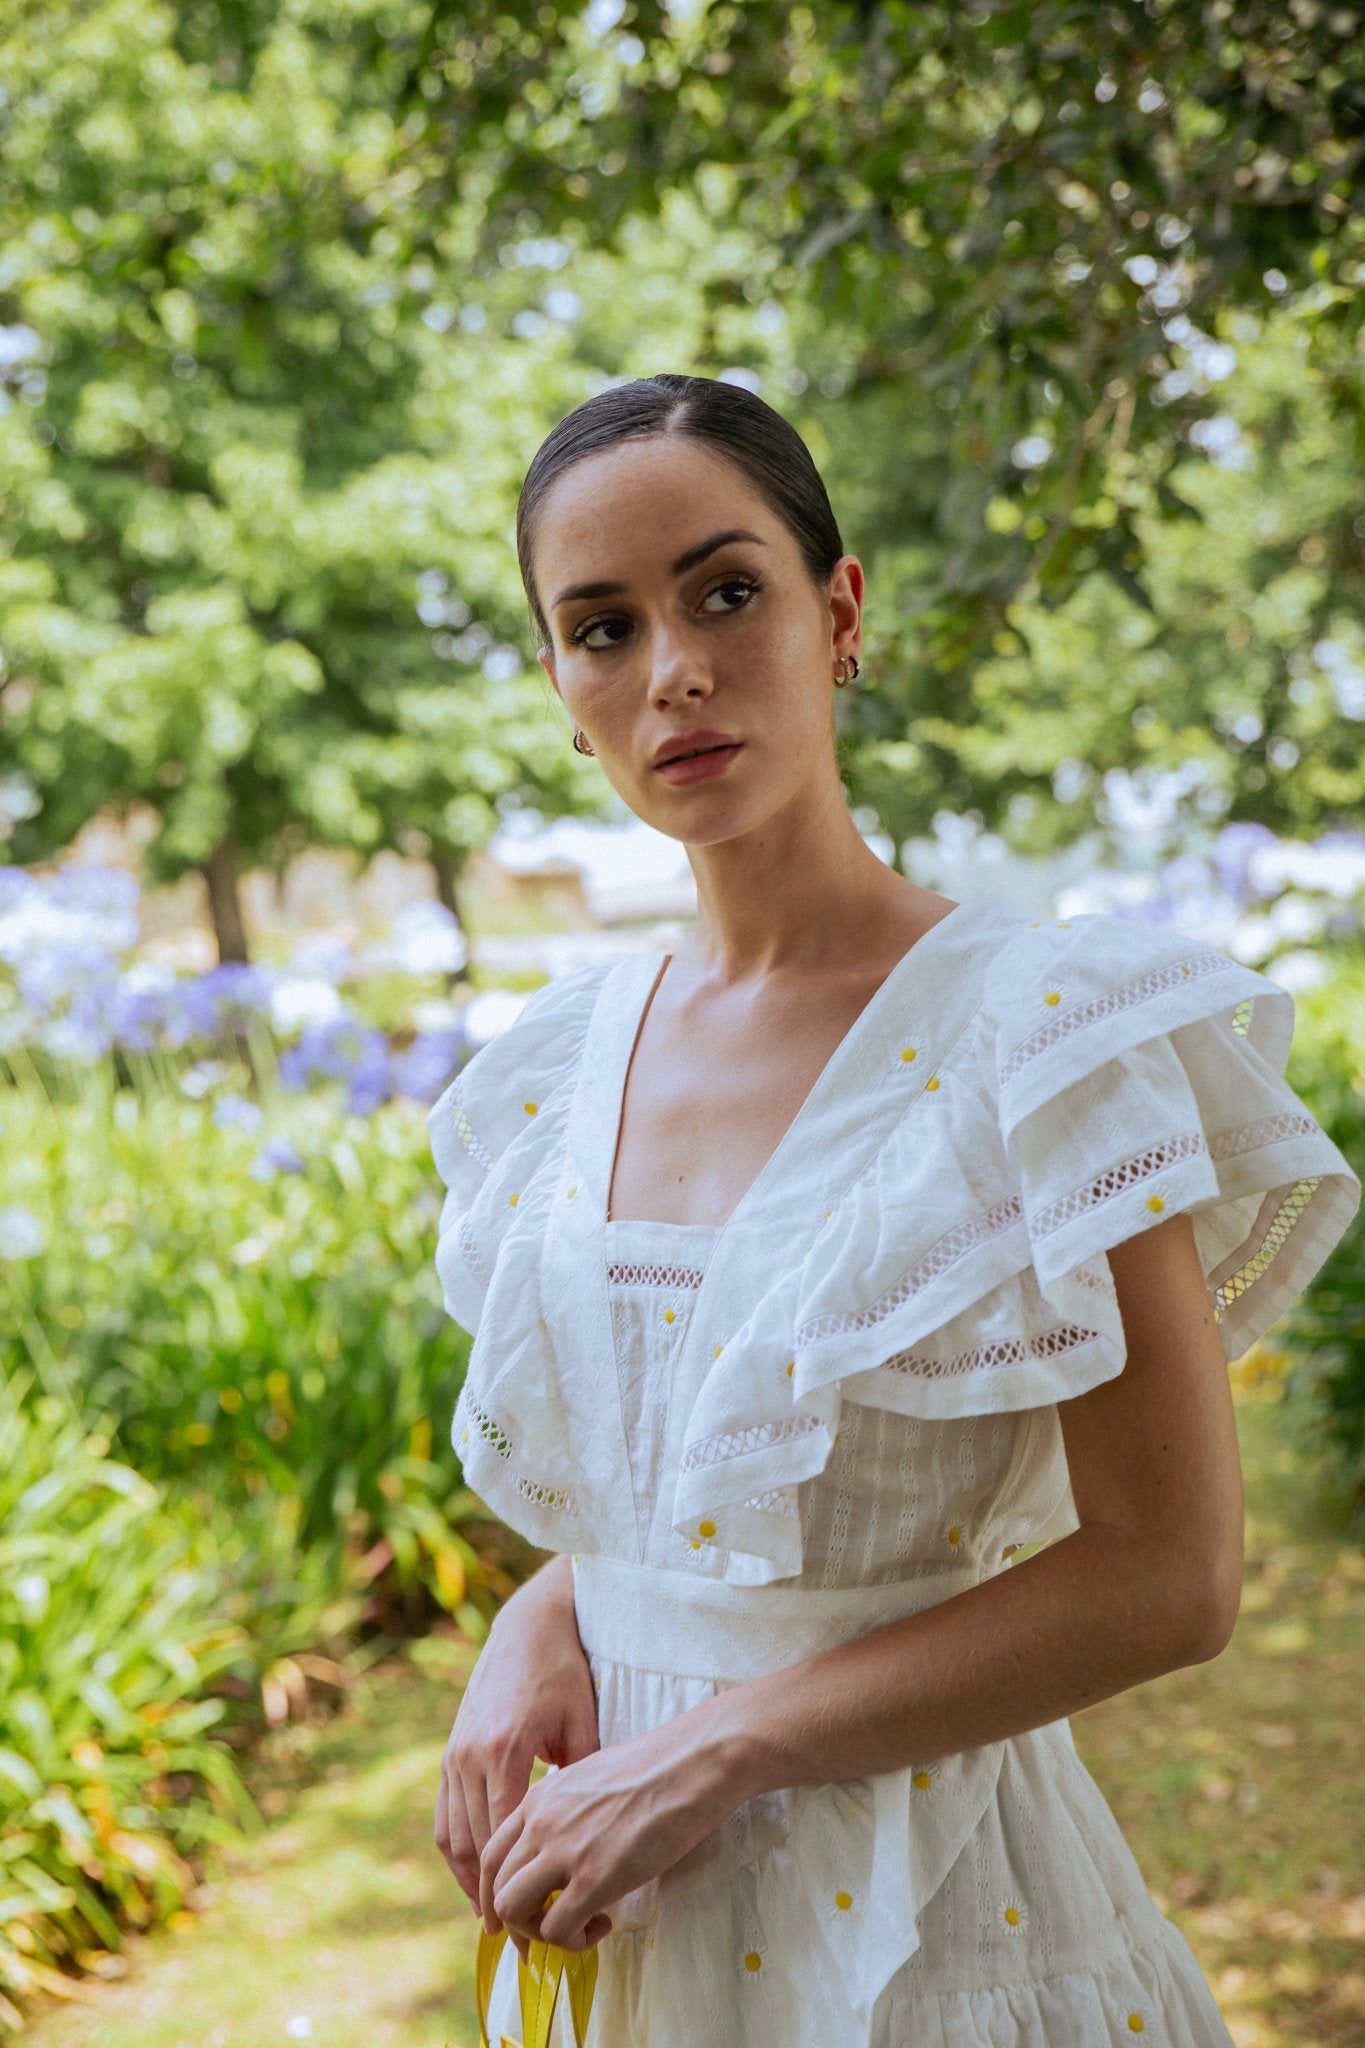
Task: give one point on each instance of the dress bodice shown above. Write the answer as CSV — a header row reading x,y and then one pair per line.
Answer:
x,y
900,1494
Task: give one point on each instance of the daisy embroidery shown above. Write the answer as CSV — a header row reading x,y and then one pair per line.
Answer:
x,y
751,1965
844,1907
924,1777
1013,1916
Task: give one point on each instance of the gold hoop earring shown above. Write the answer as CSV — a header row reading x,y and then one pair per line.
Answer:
x,y
581,742
848,671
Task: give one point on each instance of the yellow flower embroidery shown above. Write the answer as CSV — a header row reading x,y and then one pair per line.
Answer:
x,y
513,1200
1136,2023
843,1901
753,1962
1155,1204
932,1082
909,1052
1053,996
923,1781
670,1315
1013,1916
955,1535
790,1367
530,1108
706,1528
716,1353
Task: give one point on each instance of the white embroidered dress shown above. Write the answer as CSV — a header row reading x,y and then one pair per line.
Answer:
x,y
840,1407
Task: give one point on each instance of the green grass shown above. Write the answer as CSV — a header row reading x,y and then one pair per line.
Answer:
x,y
1236,1783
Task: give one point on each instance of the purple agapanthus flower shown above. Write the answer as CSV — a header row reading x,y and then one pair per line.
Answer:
x,y
370,1081
330,1051
423,1069
278,1155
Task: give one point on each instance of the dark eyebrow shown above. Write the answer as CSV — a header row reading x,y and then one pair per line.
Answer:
x,y
686,561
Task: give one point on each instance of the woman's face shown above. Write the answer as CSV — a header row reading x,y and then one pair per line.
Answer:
x,y
680,610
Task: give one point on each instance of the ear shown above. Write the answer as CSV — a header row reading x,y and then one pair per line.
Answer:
x,y
545,656
846,604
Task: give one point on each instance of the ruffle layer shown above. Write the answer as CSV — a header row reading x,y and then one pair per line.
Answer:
x,y
496,1132
1114,1076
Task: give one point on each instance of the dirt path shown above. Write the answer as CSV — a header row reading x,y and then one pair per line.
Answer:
x,y
1237,1784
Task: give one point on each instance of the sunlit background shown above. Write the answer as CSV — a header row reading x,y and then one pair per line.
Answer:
x,y
1068,307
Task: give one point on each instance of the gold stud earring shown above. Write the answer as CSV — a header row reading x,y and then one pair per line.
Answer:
x,y
581,742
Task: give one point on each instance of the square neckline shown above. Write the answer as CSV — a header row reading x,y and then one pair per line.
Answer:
x,y
866,1018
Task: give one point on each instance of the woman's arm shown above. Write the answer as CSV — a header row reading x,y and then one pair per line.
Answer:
x,y
1149,1581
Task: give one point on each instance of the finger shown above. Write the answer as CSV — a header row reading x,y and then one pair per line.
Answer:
x,y
474,1793
505,1787
458,1844
522,1889
570,1923
500,1844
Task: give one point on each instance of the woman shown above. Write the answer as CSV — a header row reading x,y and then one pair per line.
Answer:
x,y
814,1270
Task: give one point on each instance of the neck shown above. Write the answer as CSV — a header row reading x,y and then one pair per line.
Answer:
x,y
803,891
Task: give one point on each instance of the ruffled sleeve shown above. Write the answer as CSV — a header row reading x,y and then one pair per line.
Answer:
x,y
496,1129
1111,1075
1141,1075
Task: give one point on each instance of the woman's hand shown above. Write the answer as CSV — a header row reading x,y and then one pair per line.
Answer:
x,y
530,1695
596,1830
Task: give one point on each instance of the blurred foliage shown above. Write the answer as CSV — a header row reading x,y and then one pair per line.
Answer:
x,y
112,1632
1325,1331
1067,302
218,1478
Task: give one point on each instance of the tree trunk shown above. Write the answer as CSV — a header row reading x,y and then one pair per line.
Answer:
x,y
225,906
447,869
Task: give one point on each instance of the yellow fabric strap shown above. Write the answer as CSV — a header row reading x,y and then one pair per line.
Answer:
x,y
538,1981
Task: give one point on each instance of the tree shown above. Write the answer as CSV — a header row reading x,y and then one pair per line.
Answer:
x,y
257,570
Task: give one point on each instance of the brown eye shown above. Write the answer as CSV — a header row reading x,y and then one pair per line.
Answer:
x,y
579,636
741,588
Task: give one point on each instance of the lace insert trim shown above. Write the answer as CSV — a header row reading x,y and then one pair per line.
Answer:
x,y
733,1443
1242,1016
995,1357
1114,1180
952,1246
469,1137
778,1502
1142,990
673,1277
495,1436
1266,1252
1270,1130
473,1257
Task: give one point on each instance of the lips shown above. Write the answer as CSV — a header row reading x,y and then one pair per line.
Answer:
x,y
703,741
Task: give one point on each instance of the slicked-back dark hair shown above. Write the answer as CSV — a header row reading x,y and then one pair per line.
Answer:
x,y
734,422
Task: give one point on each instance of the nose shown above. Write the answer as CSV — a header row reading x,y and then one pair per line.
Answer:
x,y
679,671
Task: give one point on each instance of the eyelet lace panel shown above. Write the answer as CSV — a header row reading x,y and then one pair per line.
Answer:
x,y
622,1275
995,1357
1115,1179
1142,989
469,1137
1266,1252
952,1246
733,1443
1242,1016
493,1434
